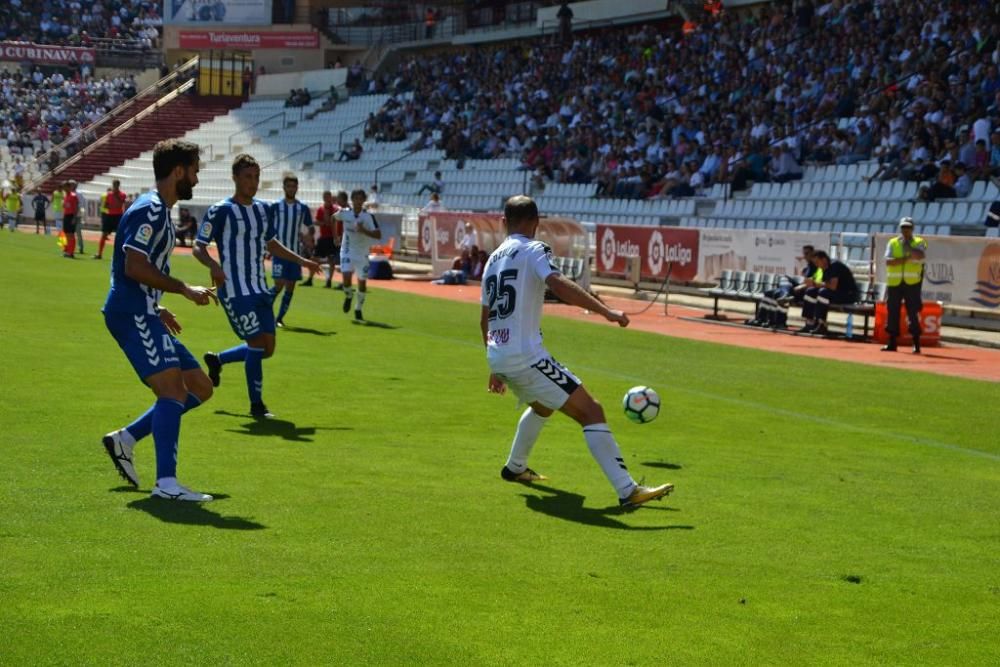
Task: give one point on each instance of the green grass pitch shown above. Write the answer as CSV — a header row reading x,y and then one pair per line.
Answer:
x,y
824,512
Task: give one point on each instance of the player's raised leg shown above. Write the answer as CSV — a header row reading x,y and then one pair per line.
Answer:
x,y
587,412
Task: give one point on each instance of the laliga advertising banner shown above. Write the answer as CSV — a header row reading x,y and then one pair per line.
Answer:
x,y
247,39
654,245
755,250
213,13
44,54
958,270
441,235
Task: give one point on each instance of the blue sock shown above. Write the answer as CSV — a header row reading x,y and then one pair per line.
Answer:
x,y
286,301
166,431
255,373
238,353
143,426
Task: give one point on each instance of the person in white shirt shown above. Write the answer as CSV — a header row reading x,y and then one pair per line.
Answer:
x,y
359,227
371,203
434,205
470,239
513,290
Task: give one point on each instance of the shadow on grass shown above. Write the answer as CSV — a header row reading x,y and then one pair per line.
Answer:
x,y
193,514
278,427
307,330
661,464
373,323
569,506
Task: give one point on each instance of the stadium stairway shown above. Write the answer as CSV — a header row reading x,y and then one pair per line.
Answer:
x,y
174,119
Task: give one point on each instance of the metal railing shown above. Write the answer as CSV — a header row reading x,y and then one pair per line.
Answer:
x,y
319,154
392,162
64,147
284,124
90,148
340,138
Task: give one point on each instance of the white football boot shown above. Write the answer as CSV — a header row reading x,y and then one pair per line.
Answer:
x,y
121,455
172,490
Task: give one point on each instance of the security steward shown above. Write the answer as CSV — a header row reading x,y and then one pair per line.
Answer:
x,y
904,268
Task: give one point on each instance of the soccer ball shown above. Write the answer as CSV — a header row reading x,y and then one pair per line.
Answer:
x,y
641,404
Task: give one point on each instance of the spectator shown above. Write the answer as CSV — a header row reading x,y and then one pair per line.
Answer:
x,y
470,239
371,202
436,187
430,18
565,16
784,167
352,152
963,182
434,205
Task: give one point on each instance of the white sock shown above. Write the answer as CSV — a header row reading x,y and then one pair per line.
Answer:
x,y
605,451
165,482
361,300
528,429
349,292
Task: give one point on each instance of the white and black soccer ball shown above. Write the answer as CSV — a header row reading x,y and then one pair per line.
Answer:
x,y
641,404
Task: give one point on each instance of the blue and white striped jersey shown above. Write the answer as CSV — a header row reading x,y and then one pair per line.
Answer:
x,y
287,220
145,228
241,233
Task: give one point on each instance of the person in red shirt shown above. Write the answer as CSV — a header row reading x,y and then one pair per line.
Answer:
x,y
328,245
71,204
115,202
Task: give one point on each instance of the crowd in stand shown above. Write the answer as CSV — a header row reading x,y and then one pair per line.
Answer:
x,y
52,109
130,24
647,112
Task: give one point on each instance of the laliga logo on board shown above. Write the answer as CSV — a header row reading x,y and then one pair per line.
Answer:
x,y
459,232
988,277
655,251
608,254
425,232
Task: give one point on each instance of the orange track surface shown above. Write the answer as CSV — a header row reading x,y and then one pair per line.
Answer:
x,y
959,361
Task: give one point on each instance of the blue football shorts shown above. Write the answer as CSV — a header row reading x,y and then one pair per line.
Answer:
x,y
147,344
250,315
283,270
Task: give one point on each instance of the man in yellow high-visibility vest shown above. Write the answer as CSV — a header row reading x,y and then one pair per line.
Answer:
x,y
904,267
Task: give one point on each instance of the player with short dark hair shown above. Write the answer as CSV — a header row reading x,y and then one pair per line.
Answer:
x,y
145,331
242,228
514,283
290,218
359,227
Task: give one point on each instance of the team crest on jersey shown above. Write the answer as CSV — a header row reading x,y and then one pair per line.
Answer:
x,y
144,234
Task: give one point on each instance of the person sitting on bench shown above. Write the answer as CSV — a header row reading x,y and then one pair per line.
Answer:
x,y
837,286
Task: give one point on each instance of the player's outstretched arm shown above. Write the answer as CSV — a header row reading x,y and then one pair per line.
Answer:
x,y
568,291
200,253
140,269
278,249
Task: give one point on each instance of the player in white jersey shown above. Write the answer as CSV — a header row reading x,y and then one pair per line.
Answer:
x,y
360,228
514,283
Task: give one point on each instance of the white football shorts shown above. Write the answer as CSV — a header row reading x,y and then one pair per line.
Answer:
x,y
546,381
